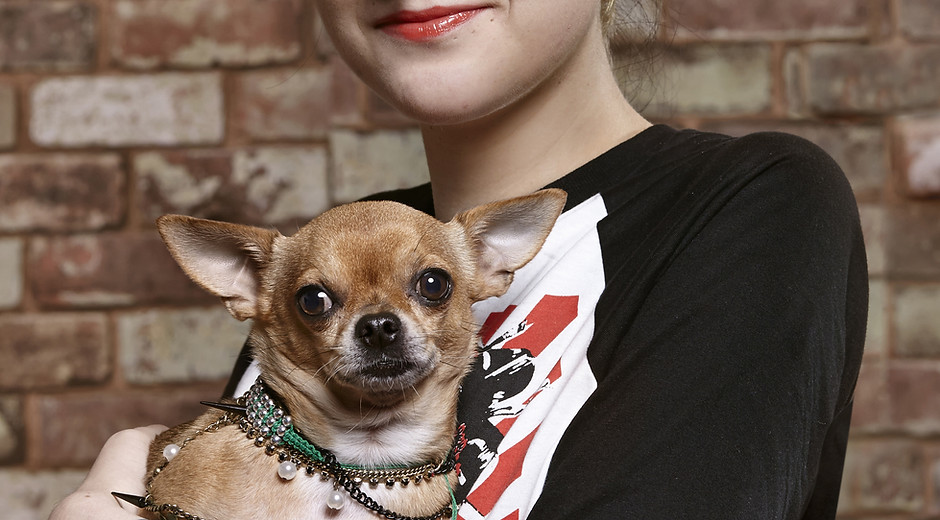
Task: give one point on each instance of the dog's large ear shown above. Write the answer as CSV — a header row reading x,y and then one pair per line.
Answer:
x,y
222,258
507,234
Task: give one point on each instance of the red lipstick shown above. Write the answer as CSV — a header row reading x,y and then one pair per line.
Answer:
x,y
419,26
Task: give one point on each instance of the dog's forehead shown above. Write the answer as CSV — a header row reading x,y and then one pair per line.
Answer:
x,y
379,227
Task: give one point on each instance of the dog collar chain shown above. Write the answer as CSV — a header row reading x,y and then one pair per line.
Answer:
x,y
273,429
257,414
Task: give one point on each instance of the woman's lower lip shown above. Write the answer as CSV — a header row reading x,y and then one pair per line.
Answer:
x,y
428,29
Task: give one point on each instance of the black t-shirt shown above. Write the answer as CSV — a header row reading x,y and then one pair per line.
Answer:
x,y
685,345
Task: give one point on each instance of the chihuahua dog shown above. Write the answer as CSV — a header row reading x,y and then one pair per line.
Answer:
x,y
362,331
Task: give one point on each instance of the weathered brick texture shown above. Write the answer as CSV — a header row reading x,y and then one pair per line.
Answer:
x,y
914,396
75,426
160,109
284,104
370,163
107,270
917,153
876,339
7,116
918,322
728,79
346,92
53,350
920,19
913,241
61,192
849,78
284,186
199,33
12,442
883,477
873,218
870,409
797,19
31,495
160,346
11,272
47,35
114,112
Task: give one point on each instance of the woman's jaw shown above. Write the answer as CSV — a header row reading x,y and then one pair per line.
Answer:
x,y
446,63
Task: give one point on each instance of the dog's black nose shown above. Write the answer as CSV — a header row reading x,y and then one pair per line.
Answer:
x,y
378,331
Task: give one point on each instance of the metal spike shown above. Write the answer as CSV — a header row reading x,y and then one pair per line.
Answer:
x,y
134,500
226,407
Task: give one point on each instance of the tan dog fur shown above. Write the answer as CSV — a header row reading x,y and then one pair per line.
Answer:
x,y
368,256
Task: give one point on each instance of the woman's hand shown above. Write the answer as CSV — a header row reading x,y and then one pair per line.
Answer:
x,y
121,466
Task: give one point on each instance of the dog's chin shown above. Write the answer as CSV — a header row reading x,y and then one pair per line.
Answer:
x,y
386,382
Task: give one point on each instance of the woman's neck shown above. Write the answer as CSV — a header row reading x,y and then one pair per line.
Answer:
x,y
569,120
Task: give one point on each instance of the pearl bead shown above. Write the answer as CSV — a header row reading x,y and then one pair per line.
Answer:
x,y
336,500
287,470
170,451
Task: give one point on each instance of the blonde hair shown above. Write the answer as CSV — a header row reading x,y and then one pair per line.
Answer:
x,y
607,13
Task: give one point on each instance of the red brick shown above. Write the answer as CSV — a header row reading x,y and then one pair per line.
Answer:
x,y
914,396
796,19
47,35
883,476
60,192
876,336
12,440
920,19
74,426
324,46
143,109
7,116
873,218
11,272
867,79
912,240
283,103
31,495
701,79
281,186
346,94
870,411
179,345
107,270
366,163
916,324
53,350
917,153
794,84
201,33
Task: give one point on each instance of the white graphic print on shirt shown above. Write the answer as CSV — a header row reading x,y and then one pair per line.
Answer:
x,y
535,375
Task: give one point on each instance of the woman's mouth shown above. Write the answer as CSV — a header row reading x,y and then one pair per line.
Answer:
x,y
420,26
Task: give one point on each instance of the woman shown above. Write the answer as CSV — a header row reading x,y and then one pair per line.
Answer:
x,y
687,344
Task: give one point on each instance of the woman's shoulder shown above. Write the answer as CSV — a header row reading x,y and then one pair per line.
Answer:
x,y
755,153
679,165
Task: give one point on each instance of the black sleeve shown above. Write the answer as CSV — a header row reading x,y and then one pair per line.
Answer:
x,y
725,390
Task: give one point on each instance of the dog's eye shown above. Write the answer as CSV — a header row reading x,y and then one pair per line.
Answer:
x,y
434,285
314,300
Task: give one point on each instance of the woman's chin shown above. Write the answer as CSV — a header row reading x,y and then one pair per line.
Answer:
x,y
435,109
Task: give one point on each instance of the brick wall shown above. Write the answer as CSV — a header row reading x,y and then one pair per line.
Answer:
x,y
113,112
